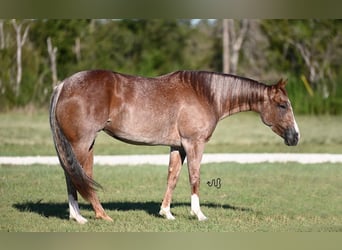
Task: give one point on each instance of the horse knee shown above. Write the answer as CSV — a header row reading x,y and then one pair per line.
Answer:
x,y
194,178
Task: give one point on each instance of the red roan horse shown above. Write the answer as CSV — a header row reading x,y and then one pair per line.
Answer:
x,y
180,110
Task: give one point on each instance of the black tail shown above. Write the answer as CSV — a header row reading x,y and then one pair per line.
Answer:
x,y
83,184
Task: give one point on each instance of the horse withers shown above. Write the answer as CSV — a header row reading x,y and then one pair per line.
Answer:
x,y
179,110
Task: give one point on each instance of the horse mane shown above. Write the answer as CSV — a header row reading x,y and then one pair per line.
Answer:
x,y
225,90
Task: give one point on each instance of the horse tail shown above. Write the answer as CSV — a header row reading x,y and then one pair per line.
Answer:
x,y
83,184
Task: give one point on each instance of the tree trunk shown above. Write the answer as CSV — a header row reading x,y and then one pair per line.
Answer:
x,y
21,38
232,43
77,49
2,35
237,41
226,47
52,54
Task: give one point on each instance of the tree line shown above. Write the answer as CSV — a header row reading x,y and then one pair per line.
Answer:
x,y
37,54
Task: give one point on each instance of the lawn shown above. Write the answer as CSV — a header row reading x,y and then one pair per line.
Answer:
x,y
256,197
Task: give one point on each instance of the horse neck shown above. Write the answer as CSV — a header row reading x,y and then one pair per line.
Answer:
x,y
227,94
238,95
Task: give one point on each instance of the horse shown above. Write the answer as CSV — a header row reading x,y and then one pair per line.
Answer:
x,y
180,110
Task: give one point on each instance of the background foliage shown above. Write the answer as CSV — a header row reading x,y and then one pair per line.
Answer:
x,y
306,52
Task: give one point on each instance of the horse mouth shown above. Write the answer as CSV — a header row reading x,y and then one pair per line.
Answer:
x,y
291,137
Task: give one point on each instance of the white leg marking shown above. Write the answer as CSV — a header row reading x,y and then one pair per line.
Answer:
x,y
165,211
195,208
75,211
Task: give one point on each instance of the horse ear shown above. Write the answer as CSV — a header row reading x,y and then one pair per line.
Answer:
x,y
281,83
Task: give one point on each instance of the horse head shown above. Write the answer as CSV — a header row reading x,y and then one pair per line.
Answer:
x,y
276,112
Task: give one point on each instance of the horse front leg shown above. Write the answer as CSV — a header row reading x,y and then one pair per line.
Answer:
x,y
177,156
194,152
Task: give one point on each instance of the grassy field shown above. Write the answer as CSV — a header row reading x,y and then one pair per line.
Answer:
x,y
29,134
258,197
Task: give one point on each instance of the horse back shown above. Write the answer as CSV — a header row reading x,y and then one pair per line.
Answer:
x,y
135,109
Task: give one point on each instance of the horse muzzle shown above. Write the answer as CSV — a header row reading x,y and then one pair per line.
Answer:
x,y
291,137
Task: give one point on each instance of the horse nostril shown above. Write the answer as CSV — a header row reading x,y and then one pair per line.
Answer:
x,y
291,137
295,139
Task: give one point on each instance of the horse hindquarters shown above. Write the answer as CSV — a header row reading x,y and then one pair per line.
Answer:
x,y
75,158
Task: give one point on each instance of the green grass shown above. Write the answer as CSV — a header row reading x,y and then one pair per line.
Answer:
x,y
29,134
257,197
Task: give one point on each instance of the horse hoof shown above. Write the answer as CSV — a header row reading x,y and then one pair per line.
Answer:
x,y
165,212
108,219
200,216
104,217
79,219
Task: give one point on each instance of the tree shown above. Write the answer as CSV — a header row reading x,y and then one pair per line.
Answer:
x,y
2,35
52,54
21,39
310,47
63,34
203,48
144,47
234,34
260,49
226,46
310,52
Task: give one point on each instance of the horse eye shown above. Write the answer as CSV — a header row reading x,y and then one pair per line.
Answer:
x,y
282,105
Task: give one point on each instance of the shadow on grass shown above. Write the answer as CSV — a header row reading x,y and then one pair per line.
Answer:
x,y
58,210
61,210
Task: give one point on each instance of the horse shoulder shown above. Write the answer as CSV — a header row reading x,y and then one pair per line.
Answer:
x,y
197,120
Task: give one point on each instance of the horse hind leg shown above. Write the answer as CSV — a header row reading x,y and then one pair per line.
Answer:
x,y
74,210
94,200
84,153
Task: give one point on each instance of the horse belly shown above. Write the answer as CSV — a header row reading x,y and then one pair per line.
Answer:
x,y
144,129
